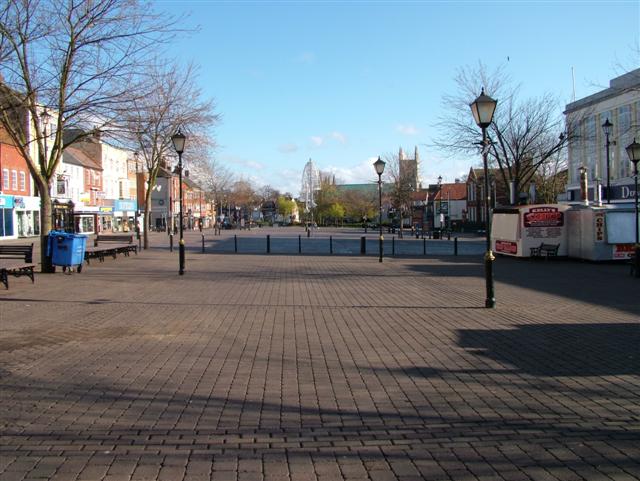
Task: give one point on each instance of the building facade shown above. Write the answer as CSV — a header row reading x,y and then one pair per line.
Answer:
x,y
620,105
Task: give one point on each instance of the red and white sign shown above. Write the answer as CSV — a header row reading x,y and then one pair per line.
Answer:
x,y
506,247
543,217
622,251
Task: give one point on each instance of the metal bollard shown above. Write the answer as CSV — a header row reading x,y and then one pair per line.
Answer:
x,y
235,243
268,244
203,243
424,246
309,232
363,245
170,242
299,244
448,235
330,244
455,246
393,246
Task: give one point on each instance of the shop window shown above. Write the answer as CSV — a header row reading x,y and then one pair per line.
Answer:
x,y
6,222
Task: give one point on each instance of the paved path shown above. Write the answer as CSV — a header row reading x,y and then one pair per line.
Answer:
x,y
255,367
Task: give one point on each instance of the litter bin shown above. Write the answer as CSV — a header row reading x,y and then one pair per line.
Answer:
x,y
67,250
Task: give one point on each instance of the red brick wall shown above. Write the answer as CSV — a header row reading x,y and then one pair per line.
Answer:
x,y
11,161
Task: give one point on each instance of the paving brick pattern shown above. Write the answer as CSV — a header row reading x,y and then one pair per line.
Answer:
x,y
255,367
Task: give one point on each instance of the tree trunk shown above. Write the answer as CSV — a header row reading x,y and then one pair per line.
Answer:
x,y
147,205
145,240
45,227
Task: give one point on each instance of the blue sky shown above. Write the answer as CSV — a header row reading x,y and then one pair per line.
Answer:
x,y
344,82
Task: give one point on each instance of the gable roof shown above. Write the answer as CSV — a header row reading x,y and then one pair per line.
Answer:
x,y
457,191
75,156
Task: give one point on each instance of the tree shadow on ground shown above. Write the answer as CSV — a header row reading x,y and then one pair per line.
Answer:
x,y
561,349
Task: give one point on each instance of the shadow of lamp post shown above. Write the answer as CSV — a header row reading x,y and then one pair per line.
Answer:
x,y
178,140
379,166
633,151
483,109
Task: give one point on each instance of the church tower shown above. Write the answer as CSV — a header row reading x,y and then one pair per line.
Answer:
x,y
409,168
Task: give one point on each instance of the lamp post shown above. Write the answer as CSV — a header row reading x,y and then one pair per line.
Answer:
x,y
483,109
606,127
438,195
178,140
379,166
633,151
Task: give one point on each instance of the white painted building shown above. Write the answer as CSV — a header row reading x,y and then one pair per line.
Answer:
x,y
620,104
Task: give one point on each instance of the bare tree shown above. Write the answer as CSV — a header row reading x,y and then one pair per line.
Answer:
x,y
524,136
216,180
76,58
173,102
552,179
401,187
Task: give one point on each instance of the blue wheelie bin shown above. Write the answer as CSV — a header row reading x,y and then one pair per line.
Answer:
x,y
67,250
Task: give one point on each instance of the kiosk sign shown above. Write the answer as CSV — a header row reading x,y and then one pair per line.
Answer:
x,y
543,217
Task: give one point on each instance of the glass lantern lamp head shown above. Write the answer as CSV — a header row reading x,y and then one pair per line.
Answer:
x,y
483,109
178,140
606,127
379,166
633,151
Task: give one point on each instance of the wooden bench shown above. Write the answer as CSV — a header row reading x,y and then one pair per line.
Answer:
x,y
545,250
22,265
110,245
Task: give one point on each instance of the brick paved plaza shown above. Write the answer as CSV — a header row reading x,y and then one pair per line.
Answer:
x,y
274,367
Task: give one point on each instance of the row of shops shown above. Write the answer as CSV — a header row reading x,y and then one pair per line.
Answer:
x,y
20,216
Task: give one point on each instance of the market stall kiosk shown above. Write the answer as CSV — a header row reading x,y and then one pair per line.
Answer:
x,y
520,230
601,233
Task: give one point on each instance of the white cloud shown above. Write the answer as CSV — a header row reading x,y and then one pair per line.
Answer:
x,y
408,129
317,140
360,173
288,148
251,164
339,136
320,140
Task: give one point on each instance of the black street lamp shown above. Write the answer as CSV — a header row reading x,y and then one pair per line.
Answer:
x,y
379,166
633,151
606,128
439,195
483,109
178,140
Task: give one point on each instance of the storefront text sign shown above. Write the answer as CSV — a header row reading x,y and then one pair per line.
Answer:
x,y
543,217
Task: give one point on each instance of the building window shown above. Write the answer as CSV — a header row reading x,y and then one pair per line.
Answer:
x,y
23,182
624,138
61,186
14,179
5,179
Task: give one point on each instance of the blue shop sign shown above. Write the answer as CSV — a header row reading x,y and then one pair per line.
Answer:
x,y
6,201
125,205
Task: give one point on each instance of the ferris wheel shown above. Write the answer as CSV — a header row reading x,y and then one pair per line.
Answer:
x,y
310,183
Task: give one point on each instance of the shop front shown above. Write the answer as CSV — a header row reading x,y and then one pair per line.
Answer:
x,y
124,215
27,210
105,219
62,215
86,219
7,223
